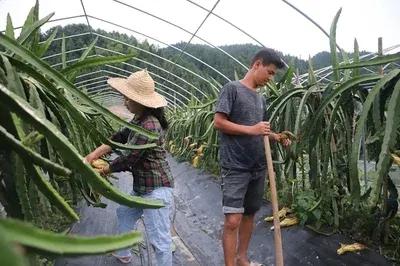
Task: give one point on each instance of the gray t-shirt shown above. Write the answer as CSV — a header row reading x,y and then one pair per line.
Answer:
x,y
245,107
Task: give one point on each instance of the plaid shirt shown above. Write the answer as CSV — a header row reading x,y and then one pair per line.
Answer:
x,y
149,167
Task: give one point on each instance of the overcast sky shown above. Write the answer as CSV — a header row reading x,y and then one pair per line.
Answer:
x,y
271,22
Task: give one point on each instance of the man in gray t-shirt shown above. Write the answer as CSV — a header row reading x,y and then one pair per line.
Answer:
x,y
241,118
243,106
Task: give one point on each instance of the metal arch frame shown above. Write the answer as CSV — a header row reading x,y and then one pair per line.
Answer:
x,y
155,55
93,87
158,90
195,33
161,42
88,74
140,49
68,36
51,20
159,68
86,16
113,96
91,33
182,51
106,89
183,29
106,92
130,45
156,82
303,77
66,52
156,75
90,84
87,80
121,75
72,60
326,71
228,22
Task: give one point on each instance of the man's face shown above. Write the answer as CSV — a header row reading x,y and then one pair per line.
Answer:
x,y
264,73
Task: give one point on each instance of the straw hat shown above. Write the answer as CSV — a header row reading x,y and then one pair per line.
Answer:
x,y
139,87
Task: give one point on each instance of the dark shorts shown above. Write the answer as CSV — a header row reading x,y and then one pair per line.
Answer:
x,y
242,192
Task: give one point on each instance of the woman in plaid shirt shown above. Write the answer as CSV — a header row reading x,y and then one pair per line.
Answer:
x,y
152,176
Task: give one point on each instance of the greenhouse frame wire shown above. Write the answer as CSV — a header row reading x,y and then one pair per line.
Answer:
x,y
161,84
89,88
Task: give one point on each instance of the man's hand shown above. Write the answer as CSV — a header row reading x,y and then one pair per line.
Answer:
x,y
261,128
284,138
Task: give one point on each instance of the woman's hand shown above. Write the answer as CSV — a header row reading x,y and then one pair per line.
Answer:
x,y
89,158
97,153
103,171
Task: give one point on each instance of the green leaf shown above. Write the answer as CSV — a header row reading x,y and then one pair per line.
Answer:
x,y
379,60
299,114
30,19
43,47
349,84
31,139
49,192
10,27
13,81
355,149
9,254
202,106
312,79
60,244
76,114
72,74
88,50
356,58
30,29
280,102
69,152
21,186
33,156
64,83
63,52
332,42
43,185
347,72
389,139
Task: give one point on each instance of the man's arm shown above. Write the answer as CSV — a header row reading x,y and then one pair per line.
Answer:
x,y
222,123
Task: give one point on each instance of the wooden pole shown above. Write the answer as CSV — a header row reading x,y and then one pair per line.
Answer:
x,y
274,199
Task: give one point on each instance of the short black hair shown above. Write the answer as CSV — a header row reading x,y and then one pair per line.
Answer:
x,y
268,56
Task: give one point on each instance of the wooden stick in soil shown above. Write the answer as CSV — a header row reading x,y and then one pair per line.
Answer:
x,y
274,199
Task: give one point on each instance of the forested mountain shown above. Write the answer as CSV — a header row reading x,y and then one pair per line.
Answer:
x,y
149,52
